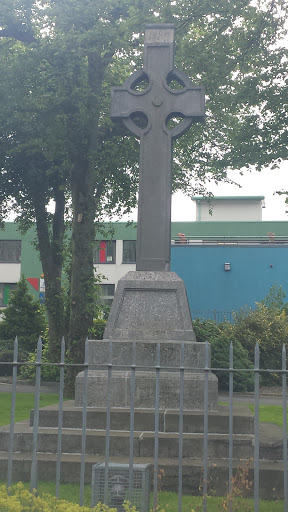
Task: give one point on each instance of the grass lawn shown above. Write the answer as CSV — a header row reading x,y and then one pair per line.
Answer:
x,y
24,403
267,413
270,414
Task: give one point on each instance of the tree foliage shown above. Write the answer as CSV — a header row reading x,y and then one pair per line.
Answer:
x,y
24,317
57,142
266,324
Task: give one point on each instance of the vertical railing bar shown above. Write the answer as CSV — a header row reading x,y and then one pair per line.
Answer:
x,y
256,430
33,480
132,404
60,419
205,429
107,442
156,444
181,402
12,417
230,423
84,421
284,398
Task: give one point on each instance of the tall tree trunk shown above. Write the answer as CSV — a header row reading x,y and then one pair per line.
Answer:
x,y
83,190
82,270
51,251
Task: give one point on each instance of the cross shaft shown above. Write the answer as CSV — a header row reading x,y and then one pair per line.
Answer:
x,y
157,103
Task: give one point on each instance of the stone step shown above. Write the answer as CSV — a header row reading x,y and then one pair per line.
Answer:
x,y
144,419
271,473
143,443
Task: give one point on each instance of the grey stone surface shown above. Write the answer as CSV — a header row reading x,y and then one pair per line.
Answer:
x,y
271,439
145,385
145,354
144,420
150,306
157,103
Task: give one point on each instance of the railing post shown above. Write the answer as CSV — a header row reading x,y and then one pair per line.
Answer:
x,y
230,423
284,408
60,418
181,401
12,418
157,389
132,404
33,480
107,441
205,430
84,419
256,429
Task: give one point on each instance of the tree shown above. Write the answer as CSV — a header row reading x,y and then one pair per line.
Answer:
x,y
61,144
24,317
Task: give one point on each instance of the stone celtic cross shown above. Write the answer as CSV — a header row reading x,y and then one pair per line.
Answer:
x,y
155,106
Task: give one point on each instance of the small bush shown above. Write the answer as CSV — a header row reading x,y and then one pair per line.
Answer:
x,y
220,336
220,347
24,317
269,328
6,370
19,499
48,373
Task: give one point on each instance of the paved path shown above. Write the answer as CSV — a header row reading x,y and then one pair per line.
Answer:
x,y
269,396
26,387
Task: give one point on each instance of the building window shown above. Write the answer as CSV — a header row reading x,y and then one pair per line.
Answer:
x,y
107,294
129,251
10,251
5,293
105,252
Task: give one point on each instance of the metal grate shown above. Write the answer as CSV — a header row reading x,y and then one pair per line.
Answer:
x,y
118,486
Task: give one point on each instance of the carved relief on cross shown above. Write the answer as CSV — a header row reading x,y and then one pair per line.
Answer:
x,y
156,104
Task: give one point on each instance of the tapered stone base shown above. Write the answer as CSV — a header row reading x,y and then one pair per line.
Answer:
x,y
149,325
145,390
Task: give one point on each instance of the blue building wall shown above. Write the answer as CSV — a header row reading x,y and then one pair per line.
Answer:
x,y
254,269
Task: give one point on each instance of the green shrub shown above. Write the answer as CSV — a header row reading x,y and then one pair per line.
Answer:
x,y
220,347
266,325
97,331
24,317
18,499
205,329
48,373
269,328
7,355
220,336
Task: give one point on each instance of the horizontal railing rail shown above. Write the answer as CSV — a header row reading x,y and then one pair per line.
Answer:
x,y
182,240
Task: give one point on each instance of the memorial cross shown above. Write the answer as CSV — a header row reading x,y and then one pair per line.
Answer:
x,y
156,105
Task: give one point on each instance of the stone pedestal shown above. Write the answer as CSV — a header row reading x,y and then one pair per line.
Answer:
x,y
149,309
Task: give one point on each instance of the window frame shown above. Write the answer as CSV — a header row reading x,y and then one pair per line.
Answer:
x,y
101,252
128,262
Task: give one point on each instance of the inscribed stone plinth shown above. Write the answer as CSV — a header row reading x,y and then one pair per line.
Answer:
x,y
149,308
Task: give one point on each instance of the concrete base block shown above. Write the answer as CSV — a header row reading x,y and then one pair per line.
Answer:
x,y
145,385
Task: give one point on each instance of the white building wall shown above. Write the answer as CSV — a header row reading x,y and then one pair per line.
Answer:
x,y
114,271
236,210
10,272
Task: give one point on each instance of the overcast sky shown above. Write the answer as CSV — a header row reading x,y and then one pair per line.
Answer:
x,y
264,183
